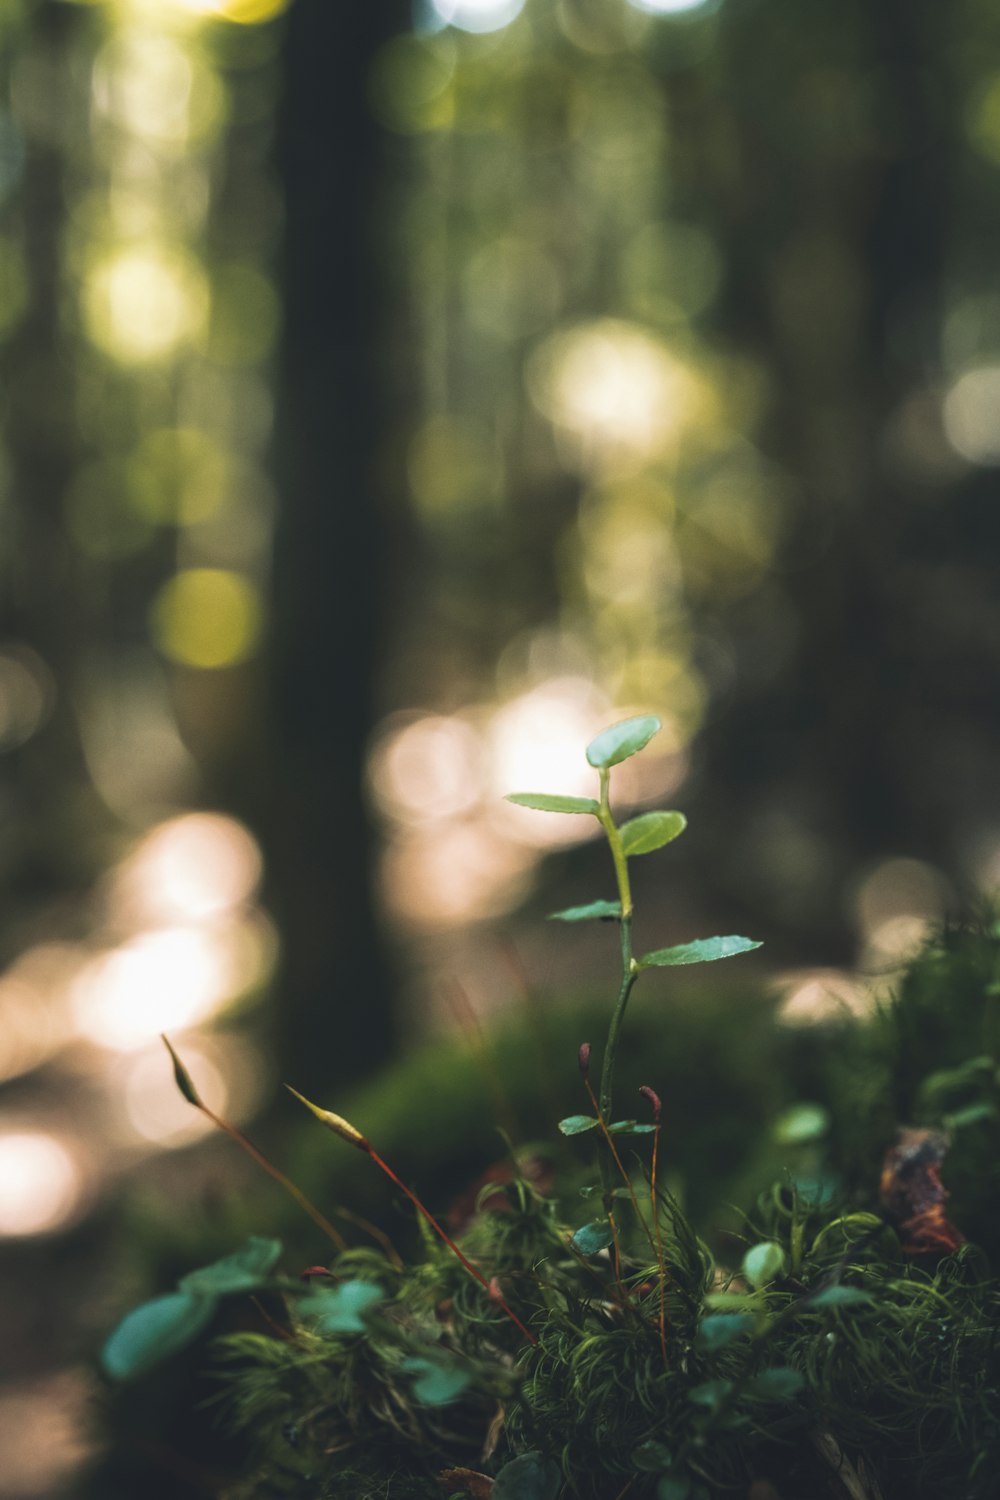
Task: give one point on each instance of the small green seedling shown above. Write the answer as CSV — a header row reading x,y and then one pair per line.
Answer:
x,y
640,835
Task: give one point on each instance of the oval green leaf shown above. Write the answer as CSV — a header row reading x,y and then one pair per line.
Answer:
x,y
438,1381
763,1263
342,1309
577,1124
630,1127
703,951
710,1392
153,1331
841,1296
594,911
530,1476
651,831
546,802
243,1271
730,1301
780,1383
651,1457
801,1124
972,1114
621,740
593,1237
673,1487
720,1329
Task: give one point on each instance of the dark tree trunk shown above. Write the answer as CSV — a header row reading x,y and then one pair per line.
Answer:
x,y
330,572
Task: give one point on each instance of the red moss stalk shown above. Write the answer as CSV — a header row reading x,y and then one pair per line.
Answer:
x,y
347,1132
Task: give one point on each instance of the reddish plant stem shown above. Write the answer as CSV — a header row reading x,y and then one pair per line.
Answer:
x,y
499,1300
333,1235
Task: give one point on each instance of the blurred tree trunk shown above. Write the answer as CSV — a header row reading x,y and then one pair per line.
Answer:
x,y
330,563
45,810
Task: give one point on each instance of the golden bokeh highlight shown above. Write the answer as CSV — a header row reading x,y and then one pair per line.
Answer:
x,y
194,13
158,90
192,868
618,395
143,302
41,1184
207,618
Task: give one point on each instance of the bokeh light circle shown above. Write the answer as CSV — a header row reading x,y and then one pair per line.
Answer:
x,y
672,7
40,1183
207,618
478,15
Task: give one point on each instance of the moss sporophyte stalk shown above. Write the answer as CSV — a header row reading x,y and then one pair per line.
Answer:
x,y
572,1337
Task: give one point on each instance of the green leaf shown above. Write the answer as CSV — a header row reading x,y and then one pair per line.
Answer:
x,y
841,1296
972,1114
593,1237
950,1080
154,1330
593,911
710,1392
816,1192
720,1329
651,831
545,802
780,1383
731,1301
438,1381
704,951
577,1124
341,1309
672,1487
243,1271
630,1127
621,740
800,1124
651,1457
530,1476
763,1263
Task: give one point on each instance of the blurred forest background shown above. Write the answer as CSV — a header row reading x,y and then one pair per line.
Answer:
x,y
391,399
